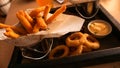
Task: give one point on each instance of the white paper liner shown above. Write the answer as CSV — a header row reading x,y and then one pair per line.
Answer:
x,y
5,8
6,5
60,1
3,1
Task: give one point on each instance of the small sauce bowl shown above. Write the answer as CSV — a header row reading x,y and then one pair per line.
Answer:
x,y
99,28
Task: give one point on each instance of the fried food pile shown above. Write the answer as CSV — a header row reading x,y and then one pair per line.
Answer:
x,y
75,44
32,22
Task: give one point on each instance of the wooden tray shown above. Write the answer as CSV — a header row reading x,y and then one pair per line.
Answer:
x,y
110,48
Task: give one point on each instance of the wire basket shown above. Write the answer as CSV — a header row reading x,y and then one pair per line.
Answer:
x,y
39,50
88,9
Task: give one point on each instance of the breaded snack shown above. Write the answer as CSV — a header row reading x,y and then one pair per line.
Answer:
x,y
39,25
57,49
4,26
36,11
19,30
10,33
24,21
57,12
46,11
29,18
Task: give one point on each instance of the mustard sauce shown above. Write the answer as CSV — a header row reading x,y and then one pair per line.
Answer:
x,y
99,28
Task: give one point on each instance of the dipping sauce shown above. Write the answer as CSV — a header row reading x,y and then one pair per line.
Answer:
x,y
99,27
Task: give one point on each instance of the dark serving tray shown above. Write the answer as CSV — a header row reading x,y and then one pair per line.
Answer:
x,y
108,52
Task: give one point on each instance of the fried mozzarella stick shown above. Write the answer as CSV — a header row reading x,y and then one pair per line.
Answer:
x,y
46,11
10,33
36,11
19,30
29,18
16,29
39,25
4,26
57,12
24,21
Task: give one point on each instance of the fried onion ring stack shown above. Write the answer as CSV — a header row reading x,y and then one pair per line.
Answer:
x,y
76,44
86,43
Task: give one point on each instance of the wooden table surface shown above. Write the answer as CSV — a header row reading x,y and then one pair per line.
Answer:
x,y
6,50
113,9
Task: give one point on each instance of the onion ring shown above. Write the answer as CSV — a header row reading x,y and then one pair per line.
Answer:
x,y
75,39
86,48
91,41
77,50
59,48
